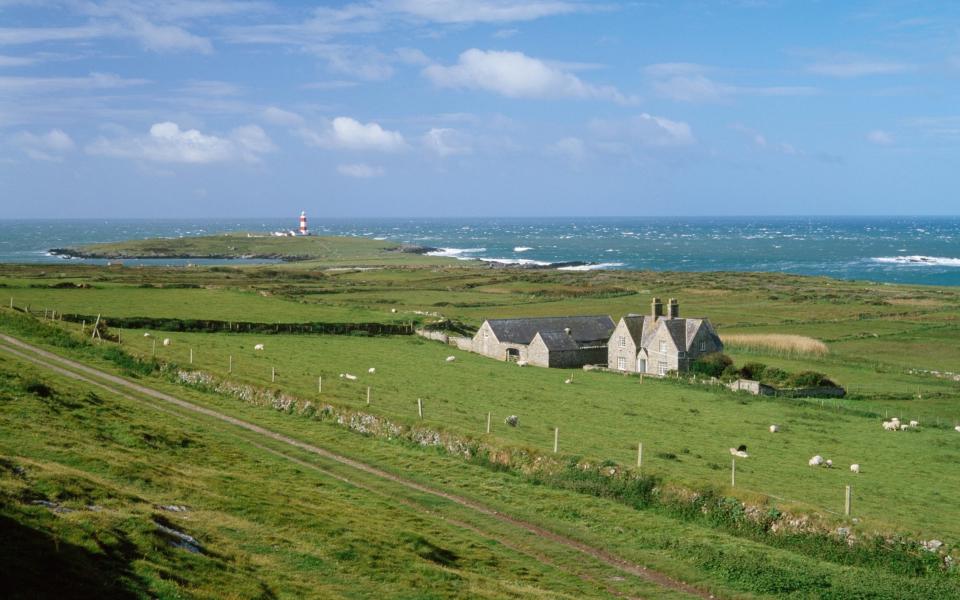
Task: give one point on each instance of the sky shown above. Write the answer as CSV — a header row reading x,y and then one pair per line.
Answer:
x,y
456,108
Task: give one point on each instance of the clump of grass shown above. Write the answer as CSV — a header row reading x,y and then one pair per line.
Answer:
x,y
778,343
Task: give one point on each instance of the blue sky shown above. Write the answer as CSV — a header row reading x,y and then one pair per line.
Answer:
x,y
153,108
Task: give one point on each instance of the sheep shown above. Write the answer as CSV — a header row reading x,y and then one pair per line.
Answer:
x,y
451,358
740,451
258,347
166,341
568,380
147,334
512,420
521,363
372,370
904,427
774,428
816,461
914,423
393,310
855,468
350,377
891,425
828,464
957,428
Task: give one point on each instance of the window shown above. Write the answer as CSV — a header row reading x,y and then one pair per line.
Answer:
x,y
662,368
486,334
621,363
703,346
642,365
663,345
622,342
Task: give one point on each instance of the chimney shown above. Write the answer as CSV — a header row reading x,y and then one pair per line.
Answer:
x,y
673,309
656,308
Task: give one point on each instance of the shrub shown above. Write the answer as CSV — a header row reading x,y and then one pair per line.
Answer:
x,y
809,379
753,370
711,365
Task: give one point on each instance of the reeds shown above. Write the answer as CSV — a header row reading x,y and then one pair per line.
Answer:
x,y
778,343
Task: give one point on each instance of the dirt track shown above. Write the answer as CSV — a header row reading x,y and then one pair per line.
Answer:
x,y
70,368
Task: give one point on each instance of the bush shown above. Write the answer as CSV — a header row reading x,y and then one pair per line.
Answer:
x,y
809,379
711,365
753,371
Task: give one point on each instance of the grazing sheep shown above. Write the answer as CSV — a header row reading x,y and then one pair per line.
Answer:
x,y
914,423
451,358
855,468
957,428
816,461
568,380
393,310
147,334
774,428
512,420
891,425
350,377
738,452
521,363
372,370
904,427
258,347
166,341
828,464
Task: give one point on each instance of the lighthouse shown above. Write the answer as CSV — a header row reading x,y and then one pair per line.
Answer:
x,y
303,223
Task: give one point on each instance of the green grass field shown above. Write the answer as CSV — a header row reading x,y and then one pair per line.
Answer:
x,y
883,342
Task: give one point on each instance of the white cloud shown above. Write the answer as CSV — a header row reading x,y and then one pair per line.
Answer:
x,y
688,82
482,11
167,38
444,141
571,148
361,62
278,116
48,146
880,137
646,130
849,69
15,85
505,33
350,134
360,171
168,143
16,61
210,87
516,75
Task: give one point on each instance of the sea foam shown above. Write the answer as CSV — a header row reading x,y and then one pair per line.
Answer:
x,y
457,253
929,261
592,266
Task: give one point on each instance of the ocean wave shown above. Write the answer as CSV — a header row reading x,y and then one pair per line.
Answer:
x,y
457,253
592,266
522,248
929,261
517,261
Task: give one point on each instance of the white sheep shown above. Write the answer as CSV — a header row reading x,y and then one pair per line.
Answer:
x,y
166,341
891,425
451,358
816,461
147,334
957,428
258,347
740,453
372,370
350,377
521,363
904,427
568,380
828,464
774,428
855,468
914,423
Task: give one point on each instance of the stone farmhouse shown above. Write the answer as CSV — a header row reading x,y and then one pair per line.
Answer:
x,y
565,342
656,343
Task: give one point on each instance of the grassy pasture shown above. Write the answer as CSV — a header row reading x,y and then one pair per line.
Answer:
x,y
686,429
268,528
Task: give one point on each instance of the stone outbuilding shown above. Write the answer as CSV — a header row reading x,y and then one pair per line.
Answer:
x,y
659,343
563,342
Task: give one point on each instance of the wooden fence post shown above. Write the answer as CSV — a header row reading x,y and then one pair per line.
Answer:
x,y
488,422
83,327
846,502
230,365
640,455
191,356
556,439
320,384
154,351
733,472
420,407
273,374
368,395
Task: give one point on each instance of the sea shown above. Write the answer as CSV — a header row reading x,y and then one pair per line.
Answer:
x,y
919,250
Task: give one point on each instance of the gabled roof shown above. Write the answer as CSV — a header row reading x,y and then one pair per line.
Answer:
x,y
682,331
558,340
582,329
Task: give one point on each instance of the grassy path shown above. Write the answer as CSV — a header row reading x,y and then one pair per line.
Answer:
x,y
113,383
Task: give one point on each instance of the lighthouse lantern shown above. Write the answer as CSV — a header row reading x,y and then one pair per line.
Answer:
x,y
303,223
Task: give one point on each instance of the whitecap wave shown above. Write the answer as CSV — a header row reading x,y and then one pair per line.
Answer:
x,y
522,248
592,266
517,261
457,253
917,260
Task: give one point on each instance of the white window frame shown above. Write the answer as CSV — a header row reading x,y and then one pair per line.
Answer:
x,y
662,368
622,342
621,363
703,346
663,345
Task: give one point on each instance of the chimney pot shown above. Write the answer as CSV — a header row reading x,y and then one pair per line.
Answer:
x,y
656,307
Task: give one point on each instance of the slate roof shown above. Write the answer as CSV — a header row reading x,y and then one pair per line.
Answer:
x,y
683,331
583,330
558,341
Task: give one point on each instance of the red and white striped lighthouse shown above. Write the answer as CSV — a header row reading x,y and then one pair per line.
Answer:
x,y
303,223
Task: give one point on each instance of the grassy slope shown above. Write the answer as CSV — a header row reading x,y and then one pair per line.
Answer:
x,y
696,553
268,528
